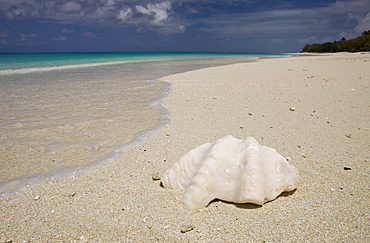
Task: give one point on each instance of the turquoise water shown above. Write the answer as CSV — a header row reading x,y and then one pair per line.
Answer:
x,y
62,114
34,61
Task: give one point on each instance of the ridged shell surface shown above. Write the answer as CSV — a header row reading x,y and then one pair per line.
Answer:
x,y
234,170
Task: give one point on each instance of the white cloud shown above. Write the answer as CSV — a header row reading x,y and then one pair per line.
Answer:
x,y
60,39
22,10
32,35
70,7
67,31
23,39
5,4
111,2
157,15
123,15
322,21
364,24
171,16
159,11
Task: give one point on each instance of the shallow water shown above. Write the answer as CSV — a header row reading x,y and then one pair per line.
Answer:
x,y
59,122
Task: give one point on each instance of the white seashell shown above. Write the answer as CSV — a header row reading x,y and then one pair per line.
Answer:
x,y
234,170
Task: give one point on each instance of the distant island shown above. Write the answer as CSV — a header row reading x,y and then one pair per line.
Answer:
x,y
360,43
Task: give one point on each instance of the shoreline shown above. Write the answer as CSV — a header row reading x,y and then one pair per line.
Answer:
x,y
327,132
47,160
154,57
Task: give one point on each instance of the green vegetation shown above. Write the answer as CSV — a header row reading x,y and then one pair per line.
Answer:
x,y
360,43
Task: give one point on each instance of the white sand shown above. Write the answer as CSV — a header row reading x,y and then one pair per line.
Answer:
x,y
328,130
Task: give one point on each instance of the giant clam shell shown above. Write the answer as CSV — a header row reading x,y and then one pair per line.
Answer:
x,y
234,170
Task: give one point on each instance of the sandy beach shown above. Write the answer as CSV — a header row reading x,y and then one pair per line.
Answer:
x,y
327,137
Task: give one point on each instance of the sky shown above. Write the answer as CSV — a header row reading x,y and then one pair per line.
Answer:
x,y
252,26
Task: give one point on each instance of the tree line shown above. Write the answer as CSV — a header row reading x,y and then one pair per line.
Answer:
x,y
360,43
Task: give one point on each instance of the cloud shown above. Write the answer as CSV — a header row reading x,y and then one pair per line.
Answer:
x,y
22,39
22,10
124,14
364,24
70,7
59,39
155,15
243,19
67,31
29,36
323,20
158,11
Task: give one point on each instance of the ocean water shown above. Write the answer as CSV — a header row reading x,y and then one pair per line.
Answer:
x,y
62,114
